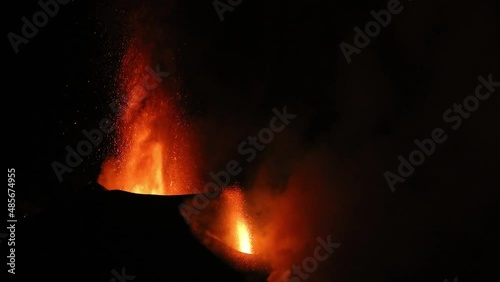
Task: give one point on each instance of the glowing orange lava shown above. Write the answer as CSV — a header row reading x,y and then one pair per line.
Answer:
x,y
153,155
238,235
244,243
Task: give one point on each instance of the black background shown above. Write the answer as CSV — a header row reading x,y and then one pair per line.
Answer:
x,y
438,224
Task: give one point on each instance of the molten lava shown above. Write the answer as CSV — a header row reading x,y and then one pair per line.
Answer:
x,y
244,243
227,228
238,234
153,153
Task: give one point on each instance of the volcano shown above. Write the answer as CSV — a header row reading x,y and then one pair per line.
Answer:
x,y
101,232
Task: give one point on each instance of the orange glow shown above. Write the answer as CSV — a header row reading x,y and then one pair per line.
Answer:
x,y
228,229
237,226
244,244
153,154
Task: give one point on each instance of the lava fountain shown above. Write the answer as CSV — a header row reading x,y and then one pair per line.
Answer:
x,y
244,243
239,237
153,153
227,228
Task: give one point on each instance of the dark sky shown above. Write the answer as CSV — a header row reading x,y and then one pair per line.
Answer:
x,y
265,54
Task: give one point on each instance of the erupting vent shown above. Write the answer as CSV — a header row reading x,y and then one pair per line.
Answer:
x,y
153,154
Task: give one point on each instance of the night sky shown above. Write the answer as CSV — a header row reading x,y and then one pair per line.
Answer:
x,y
354,118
